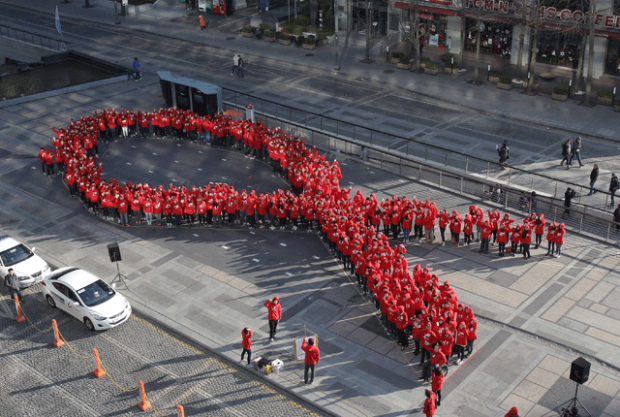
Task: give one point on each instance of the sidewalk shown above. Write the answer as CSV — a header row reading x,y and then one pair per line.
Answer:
x,y
600,121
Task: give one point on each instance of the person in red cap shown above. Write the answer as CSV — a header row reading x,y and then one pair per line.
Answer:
x,y
275,314
512,413
246,335
313,356
429,403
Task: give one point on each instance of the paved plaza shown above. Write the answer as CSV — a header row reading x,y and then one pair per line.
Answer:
x,y
203,286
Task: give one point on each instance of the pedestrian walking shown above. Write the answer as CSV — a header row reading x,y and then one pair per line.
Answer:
x,y
613,187
235,64
246,343
429,403
566,151
12,283
240,63
275,314
568,197
312,357
593,178
137,69
504,154
203,24
576,152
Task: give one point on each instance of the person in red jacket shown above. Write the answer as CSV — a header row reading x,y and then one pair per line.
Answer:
x,y
246,343
275,314
526,240
551,232
472,328
486,235
429,403
502,237
437,385
438,359
539,229
444,219
461,342
512,413
313,356
559,239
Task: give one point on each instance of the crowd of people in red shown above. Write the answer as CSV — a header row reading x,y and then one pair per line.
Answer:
x,y
413,304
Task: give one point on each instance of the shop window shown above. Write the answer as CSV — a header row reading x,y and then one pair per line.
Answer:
x,y
495,39
612,64
557,48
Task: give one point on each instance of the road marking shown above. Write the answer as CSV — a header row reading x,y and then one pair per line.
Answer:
x,y
176,162
283,244
128,163
289,274
255,260
34,167
316,257
133,146
173,180
225,247
150,172
154,154
196,235
199,169
224,160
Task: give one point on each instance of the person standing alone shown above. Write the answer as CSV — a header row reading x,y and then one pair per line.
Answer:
x,y
12,282
613,187
313,356
275,314
246,335
235,64
504,154
137,69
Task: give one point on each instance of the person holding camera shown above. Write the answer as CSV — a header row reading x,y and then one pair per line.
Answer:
x,y
313,356
275,314
504,154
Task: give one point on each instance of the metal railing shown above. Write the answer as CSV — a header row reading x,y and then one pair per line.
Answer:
x,y
579,219
31,38
371,137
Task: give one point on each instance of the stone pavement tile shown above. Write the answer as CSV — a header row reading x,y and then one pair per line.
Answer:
x,y
572,325
611,300
604,336
399,356
502,278
613,313
345,329
209,270
524,406
553,364
558,310
538,411
381,345
585,303
599,291
599,308
605,385
223,277
613,408
594,319
238,283
543,377
485,289
580,289
531,281
530,391
254,290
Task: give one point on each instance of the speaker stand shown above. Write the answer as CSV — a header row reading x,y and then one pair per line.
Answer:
x,y
575,403
120,278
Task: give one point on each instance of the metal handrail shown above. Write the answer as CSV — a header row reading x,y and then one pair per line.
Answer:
x,y
538,182
581,219
29,37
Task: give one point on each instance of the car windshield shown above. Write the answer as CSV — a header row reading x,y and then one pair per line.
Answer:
x,y
96,293
15,255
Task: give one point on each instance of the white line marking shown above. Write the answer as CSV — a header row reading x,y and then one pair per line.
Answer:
x,y
283,244
196,235
289,274
255,260
225,247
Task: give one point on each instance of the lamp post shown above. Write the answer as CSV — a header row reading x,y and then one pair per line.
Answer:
x,y
118,22
337,64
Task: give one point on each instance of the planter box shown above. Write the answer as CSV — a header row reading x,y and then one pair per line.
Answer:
x,y
493,79
270,39
322,42
525,83
284,41
423,65
402,66
247,34
453,71
507,86
605,101
559,97
617,107
431,71
309,46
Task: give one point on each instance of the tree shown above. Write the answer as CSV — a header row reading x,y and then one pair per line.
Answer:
x,y
367,22
410,28
591,33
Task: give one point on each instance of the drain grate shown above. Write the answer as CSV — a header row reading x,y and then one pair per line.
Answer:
x,y
231,38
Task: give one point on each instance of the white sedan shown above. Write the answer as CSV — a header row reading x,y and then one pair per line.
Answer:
x,y
29,268
86,297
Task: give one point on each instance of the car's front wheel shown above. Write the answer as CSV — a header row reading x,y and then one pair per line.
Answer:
x,y
89,324
50,301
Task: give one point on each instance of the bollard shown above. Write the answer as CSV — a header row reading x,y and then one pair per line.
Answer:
x,y
99,372
180,411
57,342
144,404
20,316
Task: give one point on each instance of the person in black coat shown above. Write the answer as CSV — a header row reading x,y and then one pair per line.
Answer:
x,y
593,178
568,196
566,151
504,154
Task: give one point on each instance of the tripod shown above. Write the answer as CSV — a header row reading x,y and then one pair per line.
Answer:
x,y
574,403
119,277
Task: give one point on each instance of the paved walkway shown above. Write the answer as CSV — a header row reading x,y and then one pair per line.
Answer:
x,y
536,316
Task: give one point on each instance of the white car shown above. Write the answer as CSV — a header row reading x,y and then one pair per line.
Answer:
x,y
29,268
86,297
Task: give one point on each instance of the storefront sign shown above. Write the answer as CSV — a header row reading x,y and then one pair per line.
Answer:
x,y
433,40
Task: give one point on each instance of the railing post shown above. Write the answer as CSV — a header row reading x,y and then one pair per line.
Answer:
x,y
532,186
608,230
580,222
488,168
353,132
466,164
426,153
505,200
440,178
461,185
337,128
371,137
419,172
445,162
555,213
509,176
555,193
400,166
290,114
321,123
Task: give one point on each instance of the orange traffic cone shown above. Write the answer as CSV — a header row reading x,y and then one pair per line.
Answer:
x,y
144,404
180,411
57,342
20,316
99,372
